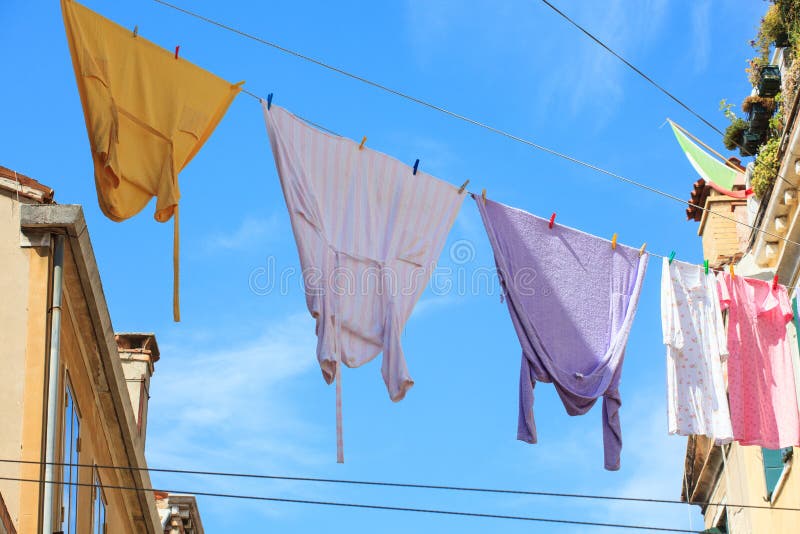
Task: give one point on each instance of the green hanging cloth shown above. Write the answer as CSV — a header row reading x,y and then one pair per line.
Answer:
x,y
707,166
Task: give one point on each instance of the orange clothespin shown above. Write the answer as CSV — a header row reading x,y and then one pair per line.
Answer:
x,y
641,250
483,196
177,49
775,283
732,275
463,186
614,242
363,140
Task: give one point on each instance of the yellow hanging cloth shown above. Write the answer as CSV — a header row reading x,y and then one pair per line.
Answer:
x,y
147,115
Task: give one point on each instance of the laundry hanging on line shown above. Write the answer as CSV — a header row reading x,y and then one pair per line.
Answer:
x,y
694,335
147,114
572,298
363,216
761,388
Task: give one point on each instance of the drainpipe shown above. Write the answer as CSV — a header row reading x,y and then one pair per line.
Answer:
x,y
52,385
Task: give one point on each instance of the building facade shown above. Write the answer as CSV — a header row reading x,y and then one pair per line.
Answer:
x,y
742,488
71,391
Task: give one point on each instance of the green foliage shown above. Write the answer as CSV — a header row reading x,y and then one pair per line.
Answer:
x,y
727,109
768,103
776,122
772,29
766,167
753,69
734,132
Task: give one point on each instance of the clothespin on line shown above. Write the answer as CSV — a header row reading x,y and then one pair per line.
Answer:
x,y
363,140
732,274
135,32
177,49
552,220
705,265
641,250
463,186
614,242
775,282
416,166
269,101
671,256
483,196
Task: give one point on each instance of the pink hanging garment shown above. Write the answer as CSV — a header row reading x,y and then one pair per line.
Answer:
x,y
760,379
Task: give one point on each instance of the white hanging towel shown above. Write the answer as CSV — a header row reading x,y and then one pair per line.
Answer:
x,y
368,233
696,348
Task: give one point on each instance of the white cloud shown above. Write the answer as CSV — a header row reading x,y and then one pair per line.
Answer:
x,y
249,231
230,409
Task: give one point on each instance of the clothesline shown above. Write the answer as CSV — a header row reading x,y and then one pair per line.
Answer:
x,y
328,130
469,120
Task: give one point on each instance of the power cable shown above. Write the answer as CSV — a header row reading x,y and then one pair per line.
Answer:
x,y
361,506
466,119
395,484
643,75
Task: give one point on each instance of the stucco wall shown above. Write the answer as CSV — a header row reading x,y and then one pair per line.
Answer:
x,y
14,266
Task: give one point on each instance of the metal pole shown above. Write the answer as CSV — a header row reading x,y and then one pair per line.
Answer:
x,y
53,385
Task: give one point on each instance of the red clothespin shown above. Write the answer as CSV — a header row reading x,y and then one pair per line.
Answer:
x,y
552,220
177,49
775,283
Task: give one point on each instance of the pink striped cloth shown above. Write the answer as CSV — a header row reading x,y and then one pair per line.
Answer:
x,y
369,233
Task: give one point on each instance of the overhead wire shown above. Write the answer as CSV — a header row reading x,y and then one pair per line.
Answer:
x,y
468,489
645,76
359,505
466,119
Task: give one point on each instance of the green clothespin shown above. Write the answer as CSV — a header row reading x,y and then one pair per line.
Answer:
x,y
705,265
671,256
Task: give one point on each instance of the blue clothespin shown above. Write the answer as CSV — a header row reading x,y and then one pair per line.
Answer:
x,y
416,165
671,256
269,101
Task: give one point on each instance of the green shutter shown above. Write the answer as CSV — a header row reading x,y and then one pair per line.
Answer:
x,y
773,467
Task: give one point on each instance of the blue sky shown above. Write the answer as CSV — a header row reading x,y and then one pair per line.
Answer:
x,y
238,387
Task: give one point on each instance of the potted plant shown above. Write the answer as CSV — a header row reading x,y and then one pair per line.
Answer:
x,y
751,140
769,81
766,166
759,110
734,133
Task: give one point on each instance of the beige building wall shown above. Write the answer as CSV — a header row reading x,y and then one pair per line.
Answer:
x,y
742,482
723,238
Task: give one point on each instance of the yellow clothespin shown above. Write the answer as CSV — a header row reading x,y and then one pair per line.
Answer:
x,y
641,250
463,186
363,140
732,275
483,196
614,242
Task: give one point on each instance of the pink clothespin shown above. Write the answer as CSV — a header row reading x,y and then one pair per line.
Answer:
x,y
177,49
552,220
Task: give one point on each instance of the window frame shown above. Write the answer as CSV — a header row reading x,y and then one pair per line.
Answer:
x,y
772,476
70,453
99,504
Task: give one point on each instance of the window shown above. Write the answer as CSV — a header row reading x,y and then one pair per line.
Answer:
x,y
70,439
99,509
775,461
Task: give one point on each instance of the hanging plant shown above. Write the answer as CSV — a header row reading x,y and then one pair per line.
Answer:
x,y
773,30
753,69
734,134
766,166
767,104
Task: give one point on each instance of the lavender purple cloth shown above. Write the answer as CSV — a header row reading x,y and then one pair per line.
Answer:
x,y
572,299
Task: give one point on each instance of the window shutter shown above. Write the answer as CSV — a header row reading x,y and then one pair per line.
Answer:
x,y
773,467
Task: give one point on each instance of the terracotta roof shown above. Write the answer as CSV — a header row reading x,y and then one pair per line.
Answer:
x,y
700,192
25,186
